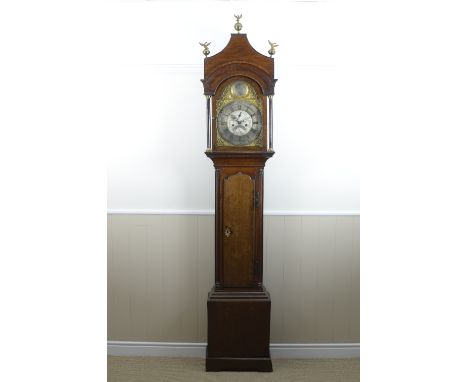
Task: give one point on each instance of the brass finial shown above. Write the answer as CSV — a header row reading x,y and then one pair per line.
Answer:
x,y
238,25
272,50
206,51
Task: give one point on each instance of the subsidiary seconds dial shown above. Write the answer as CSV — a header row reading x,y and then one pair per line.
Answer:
x,y
239,123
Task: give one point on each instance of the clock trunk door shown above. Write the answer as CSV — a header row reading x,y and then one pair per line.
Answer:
x,y
238,230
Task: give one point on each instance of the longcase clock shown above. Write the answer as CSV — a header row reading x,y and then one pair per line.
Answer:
x,y
239,86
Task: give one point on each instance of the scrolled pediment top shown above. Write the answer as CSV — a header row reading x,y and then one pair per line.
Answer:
x,y
239,68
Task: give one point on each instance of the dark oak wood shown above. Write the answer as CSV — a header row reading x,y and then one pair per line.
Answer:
x,y
238,330
239,305
250,165
239,58
239,219
238,364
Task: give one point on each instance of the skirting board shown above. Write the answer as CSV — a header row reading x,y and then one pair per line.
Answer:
x,y
197,350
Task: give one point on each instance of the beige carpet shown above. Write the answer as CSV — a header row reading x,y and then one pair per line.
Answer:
x,y
146,369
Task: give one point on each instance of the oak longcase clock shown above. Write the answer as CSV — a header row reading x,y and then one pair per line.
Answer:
x,y
239,85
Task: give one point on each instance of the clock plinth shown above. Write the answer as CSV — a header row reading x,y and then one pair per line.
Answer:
x,y
238,330
238,82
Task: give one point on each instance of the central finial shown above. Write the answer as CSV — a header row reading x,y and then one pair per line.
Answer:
x,y
238,25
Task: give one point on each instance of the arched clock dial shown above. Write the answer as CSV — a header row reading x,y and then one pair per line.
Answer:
x,y
239,123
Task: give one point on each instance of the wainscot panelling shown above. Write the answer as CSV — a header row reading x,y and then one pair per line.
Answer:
x,y
161,267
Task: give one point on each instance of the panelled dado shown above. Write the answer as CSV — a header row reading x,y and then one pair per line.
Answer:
x,y
157,283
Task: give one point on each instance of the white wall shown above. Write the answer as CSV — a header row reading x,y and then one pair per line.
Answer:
x,y
157,141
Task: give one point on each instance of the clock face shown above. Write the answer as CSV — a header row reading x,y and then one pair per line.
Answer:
x,y
239,122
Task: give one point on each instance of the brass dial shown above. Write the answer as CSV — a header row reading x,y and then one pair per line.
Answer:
x,y
239,122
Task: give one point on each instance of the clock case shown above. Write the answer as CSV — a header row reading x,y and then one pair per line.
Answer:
x,y
239,305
